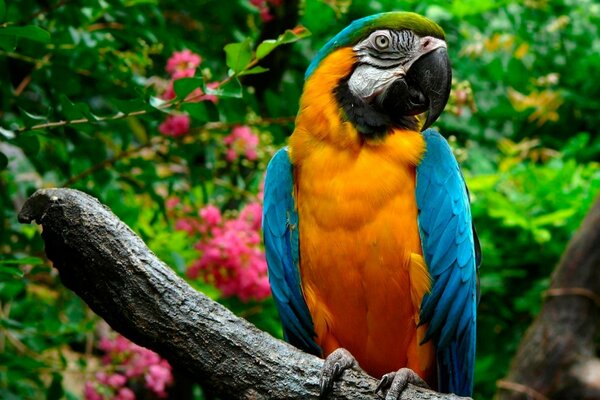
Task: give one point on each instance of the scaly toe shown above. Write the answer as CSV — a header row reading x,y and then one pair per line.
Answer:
x,y
396,382
333,368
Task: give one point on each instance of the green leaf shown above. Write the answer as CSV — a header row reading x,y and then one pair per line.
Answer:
x,y
159,104
197,111
21,363
138,129
10,323
293,35
3,161
238,55
253,71
10,289
8,43
233,88
6,133
556,218
131,3
184,86
462,9
29,143
265,48
10,272
2,10
289,36
479,183
55,391
75,110
129,106
23,261
32,119
30,32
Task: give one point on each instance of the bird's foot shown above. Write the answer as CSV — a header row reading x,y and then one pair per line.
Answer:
x,y
393,384
335,364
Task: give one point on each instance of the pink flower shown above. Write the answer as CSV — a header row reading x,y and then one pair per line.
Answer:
x,y
187,224
184,73
172,202
183,65
241,141
116,380
169,93
90,392
261,190
135,365
183,61
265,14
230,154
252,214
175,125
125,394
263,8
230,254
158,378
211,215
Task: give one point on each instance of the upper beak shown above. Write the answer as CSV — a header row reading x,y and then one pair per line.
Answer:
x,y
431,75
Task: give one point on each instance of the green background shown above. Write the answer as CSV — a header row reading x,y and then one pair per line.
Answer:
x,y
522,120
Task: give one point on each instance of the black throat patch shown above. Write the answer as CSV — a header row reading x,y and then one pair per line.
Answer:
x,y
371,120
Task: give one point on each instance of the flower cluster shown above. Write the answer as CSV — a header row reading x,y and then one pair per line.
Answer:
x,y
241,141
175,125
128,366
183,64
230,254
263,8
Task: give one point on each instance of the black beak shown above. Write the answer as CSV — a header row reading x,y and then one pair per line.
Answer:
x,y
432,76
425,88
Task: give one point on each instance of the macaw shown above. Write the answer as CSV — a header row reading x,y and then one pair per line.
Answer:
x,y
371,251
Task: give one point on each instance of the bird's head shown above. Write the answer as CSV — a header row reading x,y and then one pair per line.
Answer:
x,y
386,71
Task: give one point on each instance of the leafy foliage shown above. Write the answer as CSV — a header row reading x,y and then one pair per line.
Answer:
x,y
163,109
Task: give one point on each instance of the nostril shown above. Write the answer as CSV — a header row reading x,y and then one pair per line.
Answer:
x,y
426,43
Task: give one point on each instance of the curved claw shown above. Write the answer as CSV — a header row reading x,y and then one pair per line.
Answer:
x,y
333,368
394,383
385,383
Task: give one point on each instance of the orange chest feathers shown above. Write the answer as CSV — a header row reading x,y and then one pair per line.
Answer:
x,y
362,270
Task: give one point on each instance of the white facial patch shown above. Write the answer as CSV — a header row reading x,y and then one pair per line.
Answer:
x,y
368,81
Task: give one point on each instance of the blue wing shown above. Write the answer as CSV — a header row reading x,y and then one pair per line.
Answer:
x,y
451,252
280,231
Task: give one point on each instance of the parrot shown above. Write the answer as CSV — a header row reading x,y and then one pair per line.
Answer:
x,y
372,254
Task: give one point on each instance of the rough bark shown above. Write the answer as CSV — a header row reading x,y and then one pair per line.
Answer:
x,y
112,270
557,357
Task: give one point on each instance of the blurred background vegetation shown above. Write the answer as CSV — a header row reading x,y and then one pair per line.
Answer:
x,y
139,103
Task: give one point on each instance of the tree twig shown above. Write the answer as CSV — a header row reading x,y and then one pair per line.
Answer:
x,y
107,163
110,268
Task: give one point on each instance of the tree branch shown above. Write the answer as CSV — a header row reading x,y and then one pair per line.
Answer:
x,y
556,358
111,269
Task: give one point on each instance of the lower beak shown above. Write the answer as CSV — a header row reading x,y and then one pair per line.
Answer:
x,y
431,74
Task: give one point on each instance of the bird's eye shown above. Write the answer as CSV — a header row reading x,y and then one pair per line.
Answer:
x,y
382,42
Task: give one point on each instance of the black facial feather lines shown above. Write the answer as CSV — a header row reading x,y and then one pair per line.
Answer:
x,y
398,53
395,39
407,41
